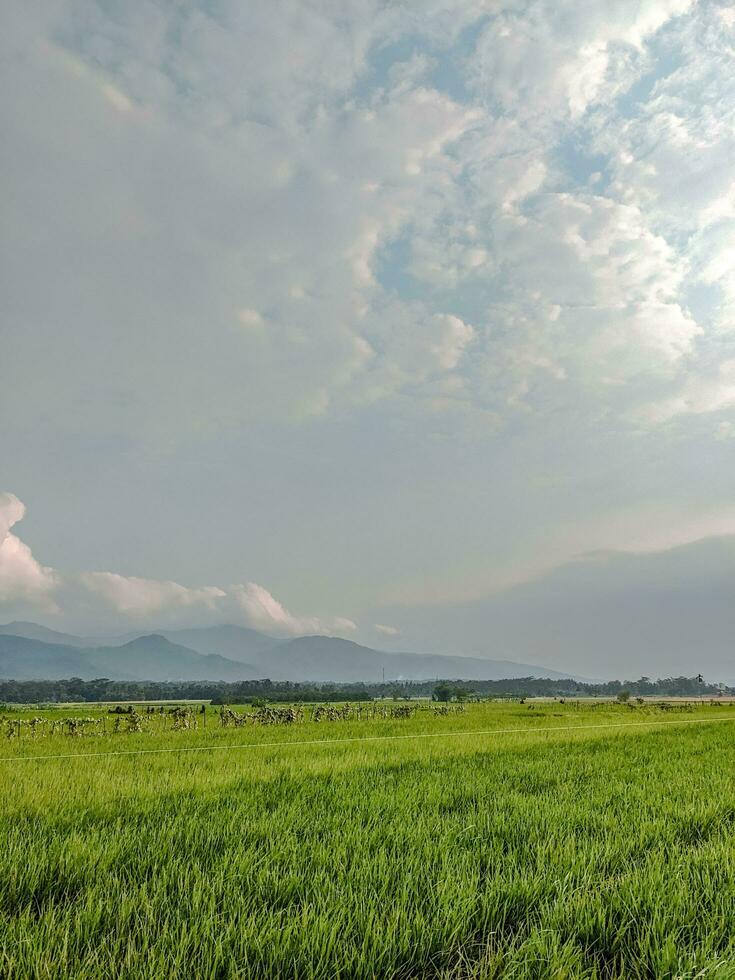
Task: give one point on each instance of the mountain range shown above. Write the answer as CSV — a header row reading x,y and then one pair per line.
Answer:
x,y
29,651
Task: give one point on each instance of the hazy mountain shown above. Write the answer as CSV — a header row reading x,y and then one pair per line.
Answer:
x,y
32,631
152,658
230,641
325,658
23,659
307,658
234,642
608,614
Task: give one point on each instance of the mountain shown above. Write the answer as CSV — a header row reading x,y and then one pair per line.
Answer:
x,y
32,631
234,642
327,658
150,658
155,657
607,614
25,659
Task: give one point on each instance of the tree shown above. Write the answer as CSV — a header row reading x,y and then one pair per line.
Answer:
x,y
624,696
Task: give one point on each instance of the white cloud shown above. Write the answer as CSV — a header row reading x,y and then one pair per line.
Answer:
x,y
474,195
117,99
249,318
521,230
25,582
487,213
142,596
551,60
343,625
246,209
22,578
699,395
386,630
263,611
453,336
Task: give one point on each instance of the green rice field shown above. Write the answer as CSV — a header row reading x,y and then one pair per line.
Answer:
x,y
548,840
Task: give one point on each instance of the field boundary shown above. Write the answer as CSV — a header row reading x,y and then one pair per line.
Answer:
x,y
361,738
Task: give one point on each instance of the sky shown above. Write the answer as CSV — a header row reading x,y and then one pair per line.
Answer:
x,y
356,317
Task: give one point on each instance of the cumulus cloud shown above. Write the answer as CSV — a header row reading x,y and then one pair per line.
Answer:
x,y
552,60
22,578
142,596
470,186
699,395
25,582
481,221
263,611
596,287
453,336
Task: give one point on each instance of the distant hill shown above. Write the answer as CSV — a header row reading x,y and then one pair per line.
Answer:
x,y
234,642
154,658
220,652
25,659
663,614
33,631
327,658
150,658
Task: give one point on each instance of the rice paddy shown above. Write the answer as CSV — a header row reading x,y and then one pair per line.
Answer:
x,y
504,840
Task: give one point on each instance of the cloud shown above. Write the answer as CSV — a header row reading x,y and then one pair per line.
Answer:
x,y
263,611
22,578
25,582
324,139
250,318
497,235
551,60
386,630
142,596
265,154
486,189
594,289
699,395
453,336
343,625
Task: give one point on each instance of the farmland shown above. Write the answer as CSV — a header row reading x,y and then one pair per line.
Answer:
x,y
558,840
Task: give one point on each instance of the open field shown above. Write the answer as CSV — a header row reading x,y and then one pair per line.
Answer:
x,y
576,841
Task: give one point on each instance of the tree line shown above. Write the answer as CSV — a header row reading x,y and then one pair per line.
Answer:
x,y
245,692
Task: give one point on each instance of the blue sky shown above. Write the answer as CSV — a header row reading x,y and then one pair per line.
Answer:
x,y
316,314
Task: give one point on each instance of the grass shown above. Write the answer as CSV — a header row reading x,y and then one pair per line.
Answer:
x,y
595,853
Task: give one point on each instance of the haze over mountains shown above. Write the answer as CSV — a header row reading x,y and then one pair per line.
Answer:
x,y
619,614
29,652
150,657
604,615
